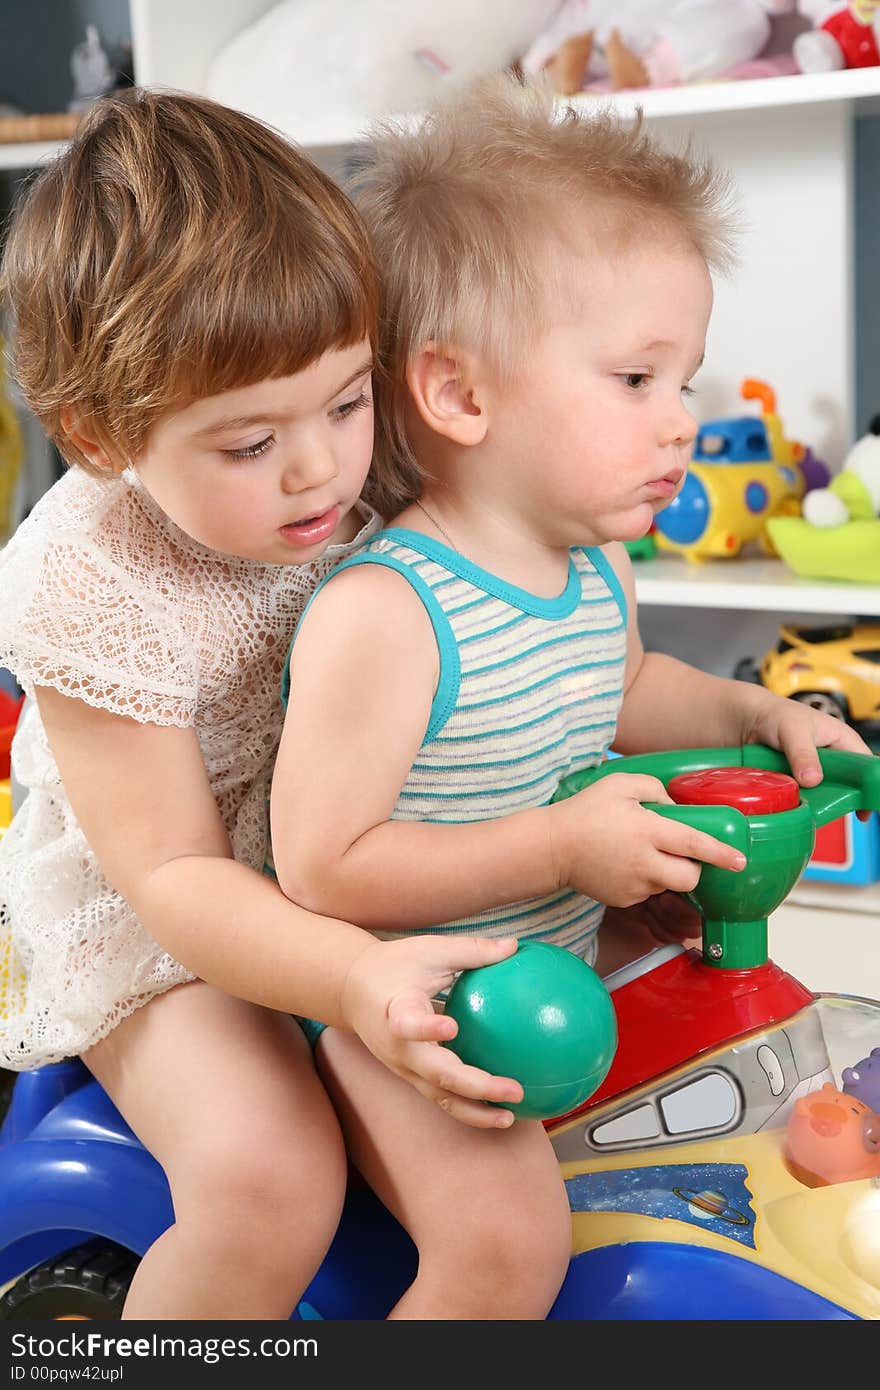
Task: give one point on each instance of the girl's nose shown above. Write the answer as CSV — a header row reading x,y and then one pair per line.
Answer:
x,y
312,467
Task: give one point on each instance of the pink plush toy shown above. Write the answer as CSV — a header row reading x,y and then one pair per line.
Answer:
x,y
650,43
843,36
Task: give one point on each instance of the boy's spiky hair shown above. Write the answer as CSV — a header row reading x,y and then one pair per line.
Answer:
x,y
174,250
472,211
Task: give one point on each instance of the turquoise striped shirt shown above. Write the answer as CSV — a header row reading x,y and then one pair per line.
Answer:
x,y
529,691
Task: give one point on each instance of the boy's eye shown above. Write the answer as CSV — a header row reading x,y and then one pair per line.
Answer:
x,y
252,451
636,380
687,390
342,412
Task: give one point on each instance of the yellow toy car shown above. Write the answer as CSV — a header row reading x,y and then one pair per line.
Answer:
x,y
835,669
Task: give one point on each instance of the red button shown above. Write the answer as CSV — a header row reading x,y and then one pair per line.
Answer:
x,y
747,789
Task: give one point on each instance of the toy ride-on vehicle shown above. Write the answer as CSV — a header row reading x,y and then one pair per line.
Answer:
x,y
727,1167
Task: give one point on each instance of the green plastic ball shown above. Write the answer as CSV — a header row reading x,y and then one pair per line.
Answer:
x,y
542,1016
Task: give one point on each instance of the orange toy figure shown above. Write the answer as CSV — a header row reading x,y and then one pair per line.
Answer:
x,y
832,1137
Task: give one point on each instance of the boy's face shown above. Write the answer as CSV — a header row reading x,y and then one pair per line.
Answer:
x,y
597,424
270,471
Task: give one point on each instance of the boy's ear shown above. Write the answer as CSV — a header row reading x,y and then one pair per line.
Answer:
x,y
83,435
446,391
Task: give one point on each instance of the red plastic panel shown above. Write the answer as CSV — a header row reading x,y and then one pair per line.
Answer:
x,y
748,789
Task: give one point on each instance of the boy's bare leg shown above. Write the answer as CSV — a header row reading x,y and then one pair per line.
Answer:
x,y
630,932
486,1208
225,1096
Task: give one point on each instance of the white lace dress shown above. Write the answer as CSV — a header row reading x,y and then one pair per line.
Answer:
x,y
104,599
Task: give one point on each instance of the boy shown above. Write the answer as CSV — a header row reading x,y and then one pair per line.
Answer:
x,y
546,301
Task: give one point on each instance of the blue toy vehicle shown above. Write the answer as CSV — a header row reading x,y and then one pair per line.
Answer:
x,y
727,1168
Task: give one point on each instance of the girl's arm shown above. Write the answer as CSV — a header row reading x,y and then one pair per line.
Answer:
x,y
141,795
669,704
363,674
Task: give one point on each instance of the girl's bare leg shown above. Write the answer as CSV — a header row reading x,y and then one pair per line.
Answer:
x,y
486,1208
225,1096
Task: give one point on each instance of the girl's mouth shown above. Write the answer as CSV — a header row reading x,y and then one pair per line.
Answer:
x,y
312,530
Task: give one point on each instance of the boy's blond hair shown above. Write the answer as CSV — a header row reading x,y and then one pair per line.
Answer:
x,y
174,250
476,213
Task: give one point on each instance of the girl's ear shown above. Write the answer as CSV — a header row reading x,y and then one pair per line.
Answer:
x,y
444,385
84,437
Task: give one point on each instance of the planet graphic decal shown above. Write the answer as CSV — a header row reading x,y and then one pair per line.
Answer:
x,y
710,1206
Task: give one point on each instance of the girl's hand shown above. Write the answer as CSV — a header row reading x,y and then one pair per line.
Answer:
x,y
797,731
387,1001
612,848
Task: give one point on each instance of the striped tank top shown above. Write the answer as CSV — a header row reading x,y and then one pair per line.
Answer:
x,y
529,691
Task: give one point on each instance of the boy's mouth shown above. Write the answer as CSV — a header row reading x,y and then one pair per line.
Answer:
x,y
312,530
668,485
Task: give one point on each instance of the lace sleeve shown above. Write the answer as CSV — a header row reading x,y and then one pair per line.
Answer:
x,y
72,620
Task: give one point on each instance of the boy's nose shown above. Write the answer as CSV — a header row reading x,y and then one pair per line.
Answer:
x,y
682,428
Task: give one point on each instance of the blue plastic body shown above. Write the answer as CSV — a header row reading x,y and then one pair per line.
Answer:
x,y
71,1168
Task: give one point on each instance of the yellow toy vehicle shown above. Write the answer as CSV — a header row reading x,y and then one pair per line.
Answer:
x,y
835,669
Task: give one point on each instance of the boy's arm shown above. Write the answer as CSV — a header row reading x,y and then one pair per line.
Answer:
x,y
364,669
670,704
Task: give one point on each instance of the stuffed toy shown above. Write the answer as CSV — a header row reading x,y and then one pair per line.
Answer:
x,y
650,43
317,69
854,494
843,36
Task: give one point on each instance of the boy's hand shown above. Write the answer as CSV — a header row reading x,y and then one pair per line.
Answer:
x,y
797,731
387,1001
612,848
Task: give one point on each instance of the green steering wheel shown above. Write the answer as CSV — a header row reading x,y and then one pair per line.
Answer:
x,y
772,824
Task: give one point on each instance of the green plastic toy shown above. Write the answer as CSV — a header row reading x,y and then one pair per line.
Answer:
x,y
848,552
542,1016
735,906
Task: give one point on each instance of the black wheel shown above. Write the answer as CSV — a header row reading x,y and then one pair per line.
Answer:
x,y
88,1282
825,702
747,669
7,1081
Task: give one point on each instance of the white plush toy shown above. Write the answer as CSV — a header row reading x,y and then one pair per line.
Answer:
x,y
319,68
854,495
647,43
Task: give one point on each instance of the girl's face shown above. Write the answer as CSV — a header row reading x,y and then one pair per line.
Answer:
x,y
598,427
271,471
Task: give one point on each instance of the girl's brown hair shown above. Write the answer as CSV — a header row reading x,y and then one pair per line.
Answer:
x,y
174,250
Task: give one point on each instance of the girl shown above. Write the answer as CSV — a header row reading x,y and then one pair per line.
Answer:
x,y
195,309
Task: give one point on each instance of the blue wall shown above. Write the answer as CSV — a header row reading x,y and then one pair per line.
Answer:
x,y
36,41
867,269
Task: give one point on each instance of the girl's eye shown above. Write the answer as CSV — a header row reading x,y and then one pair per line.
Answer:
x,y
252,451
342,412
688,391
636,380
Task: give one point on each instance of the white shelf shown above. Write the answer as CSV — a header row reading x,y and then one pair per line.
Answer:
x,y
747,584
828,948
839,897
857,86
861,85
27,154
